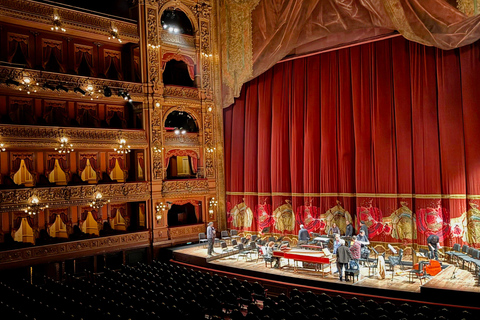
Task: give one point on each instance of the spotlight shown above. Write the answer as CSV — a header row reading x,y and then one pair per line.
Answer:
x,y
79,90
11,81
62,87
107,92
46,85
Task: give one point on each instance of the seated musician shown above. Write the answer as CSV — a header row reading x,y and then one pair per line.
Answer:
x,y
355,248
334,230
433,244
303,235
269,254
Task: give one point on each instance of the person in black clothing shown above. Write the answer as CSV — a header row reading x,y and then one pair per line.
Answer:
x,y
349,229
364,227
433,245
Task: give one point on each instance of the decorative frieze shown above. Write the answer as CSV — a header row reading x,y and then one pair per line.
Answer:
x,y
187,186
186,232
178,39
183,92
83,138
189,139
14,199
83,247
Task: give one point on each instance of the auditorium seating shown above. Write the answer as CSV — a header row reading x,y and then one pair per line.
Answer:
x,y
167,291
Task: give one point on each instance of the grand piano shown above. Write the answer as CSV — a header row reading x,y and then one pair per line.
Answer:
x,y
319,259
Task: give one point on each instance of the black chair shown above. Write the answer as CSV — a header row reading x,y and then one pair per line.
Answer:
x,y
202,238
234,234
353,269
394,261
224,236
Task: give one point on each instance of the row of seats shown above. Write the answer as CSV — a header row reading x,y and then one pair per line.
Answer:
x,y
166,291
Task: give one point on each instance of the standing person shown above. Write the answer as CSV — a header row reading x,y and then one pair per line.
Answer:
x,y
433,245
336,243
210,238
364,227
303,235
349,229
355,248
343,258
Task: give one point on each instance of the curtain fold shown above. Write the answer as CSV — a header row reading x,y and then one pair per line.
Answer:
x,y
383,132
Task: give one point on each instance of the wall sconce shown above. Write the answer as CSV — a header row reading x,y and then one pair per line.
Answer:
x,y
122,147
157,149
114,33
2,147
56,23
35,207
180,131
210,150
160,208
99,202
212,204
64,147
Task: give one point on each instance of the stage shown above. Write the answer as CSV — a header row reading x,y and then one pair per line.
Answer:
x,y
459,289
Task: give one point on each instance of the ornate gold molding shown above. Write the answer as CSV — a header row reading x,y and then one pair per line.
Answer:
x,y
82,138
84,247
11,200
55,78
174,188
190,139
71,19
183,92
468,7
186,232
178,39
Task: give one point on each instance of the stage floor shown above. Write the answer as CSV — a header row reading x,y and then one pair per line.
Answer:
x,y
463,284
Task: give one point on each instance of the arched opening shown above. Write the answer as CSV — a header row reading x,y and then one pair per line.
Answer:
x,y
180,167
176,21
181,120
89,174
176,73
57,175
90,225
117,173
58,229
182,215
23,175
24,233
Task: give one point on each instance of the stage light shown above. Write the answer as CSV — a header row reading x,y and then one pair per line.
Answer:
x,y
62,87
107,92
79,90
11,81
46,85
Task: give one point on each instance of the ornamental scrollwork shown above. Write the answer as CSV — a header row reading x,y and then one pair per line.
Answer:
x,y
11,200
184,92
202,9
206,53
185,186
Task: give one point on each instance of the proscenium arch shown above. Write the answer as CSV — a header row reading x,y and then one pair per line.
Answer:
x,y
196,117
184,9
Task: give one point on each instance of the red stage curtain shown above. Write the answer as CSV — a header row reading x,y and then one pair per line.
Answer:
x,y
386,130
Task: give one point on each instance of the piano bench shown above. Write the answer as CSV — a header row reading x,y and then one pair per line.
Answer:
x,y
351,273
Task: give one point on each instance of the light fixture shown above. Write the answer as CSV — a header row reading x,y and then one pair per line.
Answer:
x,y
123,147
35,207
180,131
114,34
157,149
56,23
2,147
99,201
212,204
79,90
160,208
125,95
64,147
210,149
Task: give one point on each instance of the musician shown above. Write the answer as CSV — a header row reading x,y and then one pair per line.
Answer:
x,y
334,230
210,238
363,239
343,258
303,235
269,254
355,248
349,229
433,244
364,227
336,243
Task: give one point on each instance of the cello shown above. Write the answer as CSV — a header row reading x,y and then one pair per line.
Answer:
x,y
432,268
